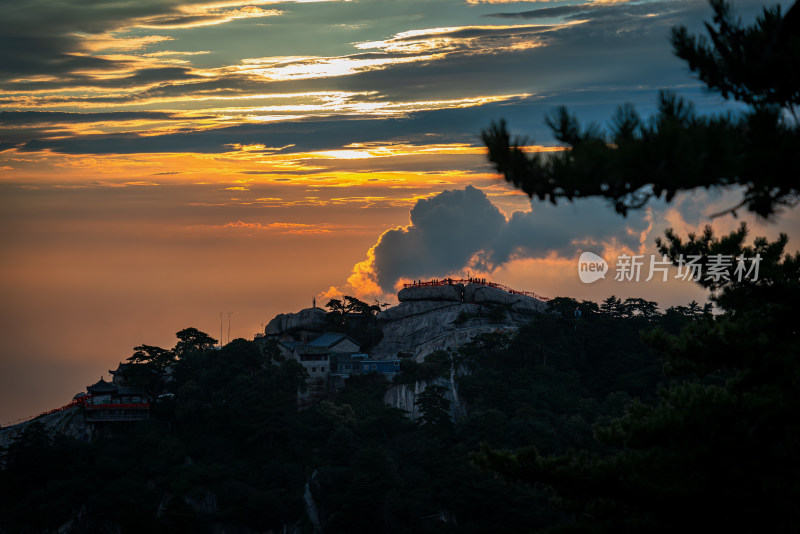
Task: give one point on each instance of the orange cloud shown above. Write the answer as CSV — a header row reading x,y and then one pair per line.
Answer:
x,y
193,16
108,41
281,227
643,235
332,292
468,40
363,279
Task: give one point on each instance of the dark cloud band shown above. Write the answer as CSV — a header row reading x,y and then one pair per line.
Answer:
x,y
459,230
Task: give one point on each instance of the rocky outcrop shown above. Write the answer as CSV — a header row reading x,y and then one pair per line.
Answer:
x,y
445,317
448,293
69,422
460,336
483,294
429,317
287,323
404,396
471,293
421,327
414,307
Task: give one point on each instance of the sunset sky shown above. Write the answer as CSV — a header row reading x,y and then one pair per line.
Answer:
x,y
162,162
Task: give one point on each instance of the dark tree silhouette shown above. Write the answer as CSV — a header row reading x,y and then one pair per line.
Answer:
x,y
152,356
720,449
192,340
757,65
678,150
351,305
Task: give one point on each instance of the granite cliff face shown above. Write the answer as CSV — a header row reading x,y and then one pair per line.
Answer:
x,y
431,318
443,318
447,293
69,422
428,318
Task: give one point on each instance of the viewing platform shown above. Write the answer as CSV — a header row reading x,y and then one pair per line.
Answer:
x,y
479,281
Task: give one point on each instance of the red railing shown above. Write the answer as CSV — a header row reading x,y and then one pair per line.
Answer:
x,y
481,281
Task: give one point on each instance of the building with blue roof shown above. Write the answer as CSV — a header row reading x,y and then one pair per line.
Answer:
x,y
362,364
336,342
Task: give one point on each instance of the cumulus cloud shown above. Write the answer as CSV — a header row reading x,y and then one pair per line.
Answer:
x,y
461,230
446,231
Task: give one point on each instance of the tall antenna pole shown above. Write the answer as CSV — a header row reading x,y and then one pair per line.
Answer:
x,y
229,326
220,329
